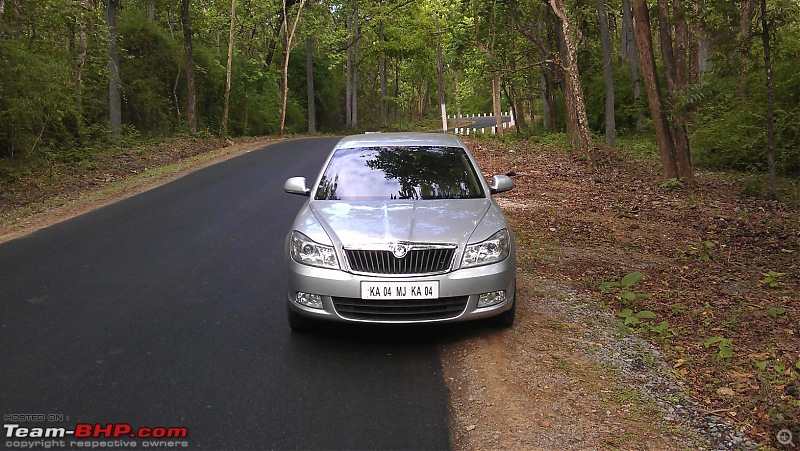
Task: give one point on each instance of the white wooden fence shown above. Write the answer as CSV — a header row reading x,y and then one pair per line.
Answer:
x,y
484,130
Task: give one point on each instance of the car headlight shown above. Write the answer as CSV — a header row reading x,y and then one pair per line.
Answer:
x,y
492,250
311,253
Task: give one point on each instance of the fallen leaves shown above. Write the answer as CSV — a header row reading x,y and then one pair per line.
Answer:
x,y
716,264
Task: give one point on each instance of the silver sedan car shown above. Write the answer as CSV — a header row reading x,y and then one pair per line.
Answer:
x,y
400,228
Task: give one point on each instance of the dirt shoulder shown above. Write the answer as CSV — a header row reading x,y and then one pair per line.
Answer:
x,y
571,375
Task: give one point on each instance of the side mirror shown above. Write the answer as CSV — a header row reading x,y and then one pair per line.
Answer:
x,y
297,185
501,183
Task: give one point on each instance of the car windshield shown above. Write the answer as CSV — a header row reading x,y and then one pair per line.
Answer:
x,y
399,172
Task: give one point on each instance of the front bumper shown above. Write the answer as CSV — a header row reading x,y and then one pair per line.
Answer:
x,y
463,285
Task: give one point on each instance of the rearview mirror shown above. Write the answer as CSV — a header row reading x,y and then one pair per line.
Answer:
x,y
297,185
501,183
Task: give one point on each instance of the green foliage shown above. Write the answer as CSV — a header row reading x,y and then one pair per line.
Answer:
x,y
771,279
149,64
639,320
730,128
621,289
702,250
776,312
38,109
632,318
671,185
724,346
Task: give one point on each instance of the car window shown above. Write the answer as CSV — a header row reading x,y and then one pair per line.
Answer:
x,y
399,172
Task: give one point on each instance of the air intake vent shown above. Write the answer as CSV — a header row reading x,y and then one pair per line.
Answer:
x,y
415,261
400,310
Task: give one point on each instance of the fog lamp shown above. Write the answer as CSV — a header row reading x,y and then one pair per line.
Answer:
x,y
491,298
309,300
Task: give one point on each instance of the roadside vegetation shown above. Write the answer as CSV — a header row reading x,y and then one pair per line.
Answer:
x,y
708,273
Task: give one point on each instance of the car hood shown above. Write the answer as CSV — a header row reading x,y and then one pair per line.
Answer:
x,y
378,222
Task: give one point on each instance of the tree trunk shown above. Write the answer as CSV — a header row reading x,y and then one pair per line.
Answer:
x,y
384,106
458,97
114,99
545,102
745,21
356,57
348,104
496,106
573,84
629,53
312,111
191,108
644,43
513,101
681,45
80,63
608,74
288,40
698,42
273,44
171,20
680,138
770,113
440,69
571,120
226,104
151,11
396,100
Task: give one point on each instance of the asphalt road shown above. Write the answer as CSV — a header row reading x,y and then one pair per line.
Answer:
x,y
166,310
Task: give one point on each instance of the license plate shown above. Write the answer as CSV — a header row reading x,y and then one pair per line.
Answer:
x,y
400,290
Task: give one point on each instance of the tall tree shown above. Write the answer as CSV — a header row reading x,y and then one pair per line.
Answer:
x,y
114,99
577,105
608,74
382,69
488,48
191,109
312,119
151,11
226,104
81,61
289,29
310,94
355,63
348,103
770,110
745,36
629,54
674,71
644,42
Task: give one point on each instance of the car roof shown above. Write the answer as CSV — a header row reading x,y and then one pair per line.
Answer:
x,y
399,139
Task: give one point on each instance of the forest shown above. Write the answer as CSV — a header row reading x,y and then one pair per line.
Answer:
x,y
715,82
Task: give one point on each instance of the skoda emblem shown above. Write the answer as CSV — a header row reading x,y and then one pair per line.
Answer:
x,y
399,250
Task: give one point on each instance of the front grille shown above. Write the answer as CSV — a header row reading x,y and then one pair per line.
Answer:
x,y
400,310
416,261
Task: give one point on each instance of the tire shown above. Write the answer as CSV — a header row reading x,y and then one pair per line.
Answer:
x,y
506,319
298,322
